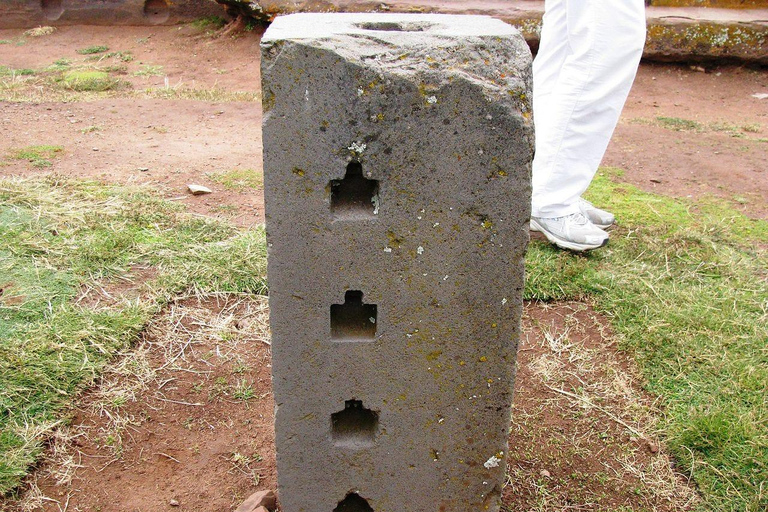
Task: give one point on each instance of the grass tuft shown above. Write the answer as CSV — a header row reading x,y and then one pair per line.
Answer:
x,y
213,94
60,82
148,70
90,81
60,65
118,56
679,124
38,156
209,23
688,125
6,71
39,31
90,50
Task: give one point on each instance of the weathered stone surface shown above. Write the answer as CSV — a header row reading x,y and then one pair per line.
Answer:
x,y
31,13
395,292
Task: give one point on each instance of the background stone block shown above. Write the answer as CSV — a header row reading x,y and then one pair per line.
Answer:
x,y
31,13
397,154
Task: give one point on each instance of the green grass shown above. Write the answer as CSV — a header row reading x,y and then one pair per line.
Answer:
x,y
38,156
239,179
118,56
676,123
90,81
688,125
148,70
10,72
59,238
90,50
60,65
209,23
685,285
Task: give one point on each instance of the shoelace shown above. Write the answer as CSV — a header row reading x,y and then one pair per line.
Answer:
x,y
578,218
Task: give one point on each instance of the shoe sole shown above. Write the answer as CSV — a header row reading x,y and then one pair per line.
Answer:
x,y
563,243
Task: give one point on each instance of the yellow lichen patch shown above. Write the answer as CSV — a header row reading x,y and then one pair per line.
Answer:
x,y
394,241
434,355
711,38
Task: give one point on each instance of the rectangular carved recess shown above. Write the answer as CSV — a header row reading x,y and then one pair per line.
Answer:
x,y
353,320
354,426
355,196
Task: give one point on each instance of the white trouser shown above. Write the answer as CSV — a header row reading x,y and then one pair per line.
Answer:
x,y
586,64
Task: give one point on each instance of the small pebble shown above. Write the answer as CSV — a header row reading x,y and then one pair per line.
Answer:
x,y
544,473
174,503
197,190
143,169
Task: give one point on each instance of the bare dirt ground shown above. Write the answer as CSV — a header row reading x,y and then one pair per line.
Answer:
x,y
185,421
178,142
721,151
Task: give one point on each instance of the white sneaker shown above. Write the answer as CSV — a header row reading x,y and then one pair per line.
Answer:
x,y
574,232
596,216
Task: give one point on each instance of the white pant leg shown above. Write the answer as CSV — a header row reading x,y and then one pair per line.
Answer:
x,y
582,74
553,48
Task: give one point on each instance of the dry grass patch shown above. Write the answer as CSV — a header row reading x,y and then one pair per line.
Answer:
x,y
584,433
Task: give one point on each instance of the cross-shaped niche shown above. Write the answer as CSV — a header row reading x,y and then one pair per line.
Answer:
x,y
354,320
354,196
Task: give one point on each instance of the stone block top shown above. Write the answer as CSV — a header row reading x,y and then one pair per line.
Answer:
x,y
400,28
422,48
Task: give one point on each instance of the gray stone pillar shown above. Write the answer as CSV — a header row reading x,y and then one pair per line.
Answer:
x,y
397,154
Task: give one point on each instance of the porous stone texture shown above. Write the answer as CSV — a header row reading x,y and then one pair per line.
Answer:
x,y
395,292
31,13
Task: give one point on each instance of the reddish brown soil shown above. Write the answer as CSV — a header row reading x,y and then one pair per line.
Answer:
x,y
695,163
179,141
564,453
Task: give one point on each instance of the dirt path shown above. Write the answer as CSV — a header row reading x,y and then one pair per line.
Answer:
x,y
188,416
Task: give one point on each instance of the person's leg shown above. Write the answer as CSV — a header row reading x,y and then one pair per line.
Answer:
x,y
577,106
553,50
